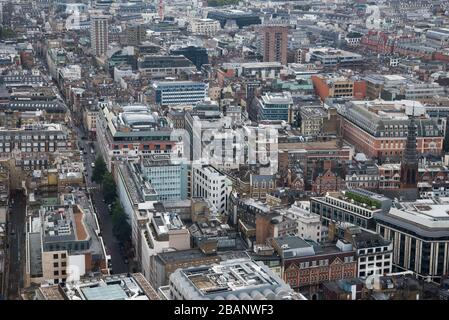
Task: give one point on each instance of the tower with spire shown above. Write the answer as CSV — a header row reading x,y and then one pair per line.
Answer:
x,y
409,163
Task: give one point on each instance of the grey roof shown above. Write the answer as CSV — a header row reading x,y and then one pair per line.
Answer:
x,y
181,255
412,227
35,253
292,242
49,106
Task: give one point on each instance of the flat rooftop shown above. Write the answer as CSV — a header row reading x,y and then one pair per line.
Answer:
x,y
232,275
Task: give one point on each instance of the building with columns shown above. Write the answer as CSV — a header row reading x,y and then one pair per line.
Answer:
x,y
420,235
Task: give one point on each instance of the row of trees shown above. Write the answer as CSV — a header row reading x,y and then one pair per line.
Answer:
x,y
120,225
6,33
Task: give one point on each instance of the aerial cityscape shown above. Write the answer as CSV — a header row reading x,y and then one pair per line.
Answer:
x,y
224,150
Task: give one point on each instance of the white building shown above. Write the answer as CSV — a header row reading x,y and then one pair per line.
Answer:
x,y
308,223
210,184
236,279
208,27
165,232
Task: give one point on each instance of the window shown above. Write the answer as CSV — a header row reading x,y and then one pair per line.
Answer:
x,y
55,256
63,272
55,265
63,264
56,273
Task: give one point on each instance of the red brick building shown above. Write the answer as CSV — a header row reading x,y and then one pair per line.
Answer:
x,y
329,181
316,265
378,42
338,87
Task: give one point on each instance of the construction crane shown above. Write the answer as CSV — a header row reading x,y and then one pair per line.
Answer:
x,y
161,10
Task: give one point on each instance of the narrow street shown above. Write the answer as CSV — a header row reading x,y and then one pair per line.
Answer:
x,y
104,218
16,244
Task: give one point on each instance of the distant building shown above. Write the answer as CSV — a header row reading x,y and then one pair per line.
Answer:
x,y
99,37
274,106
329,57
207,27
157,66
241,18
362,175
197,55
180,92
312,119
135,34
275,43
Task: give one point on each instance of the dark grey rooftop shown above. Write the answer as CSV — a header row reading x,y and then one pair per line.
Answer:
x,y
182,255
292,242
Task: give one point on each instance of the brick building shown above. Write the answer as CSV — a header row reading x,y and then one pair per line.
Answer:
x,y
305,264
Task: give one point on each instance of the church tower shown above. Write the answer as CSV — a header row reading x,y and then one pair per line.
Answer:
x,y
409,164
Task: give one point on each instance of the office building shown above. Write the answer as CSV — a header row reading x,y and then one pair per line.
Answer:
x,y
62,242
357,206
158,66
274,107
275,43
329,57
167,177
374,253
168,262
308,224
210,184
180,92
135,34
420,235
379,128
197,55
207,27
239,17
99,38
338,87
238,279
132,131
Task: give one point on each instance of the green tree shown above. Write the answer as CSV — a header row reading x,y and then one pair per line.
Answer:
x,y
120,225
6,33
109,188
99,170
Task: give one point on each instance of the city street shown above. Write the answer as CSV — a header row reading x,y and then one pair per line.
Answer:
x,y
16,243
104,218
